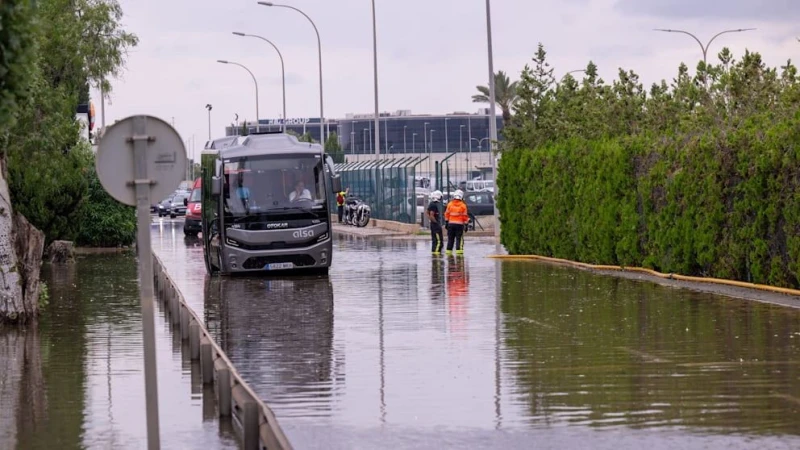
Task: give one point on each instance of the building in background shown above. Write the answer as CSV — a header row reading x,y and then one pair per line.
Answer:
x,y
401,132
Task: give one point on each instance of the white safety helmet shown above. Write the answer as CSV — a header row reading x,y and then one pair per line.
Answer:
x,y
458,195
436,196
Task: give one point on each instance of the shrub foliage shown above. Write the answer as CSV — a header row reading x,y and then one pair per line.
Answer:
x,y
698,176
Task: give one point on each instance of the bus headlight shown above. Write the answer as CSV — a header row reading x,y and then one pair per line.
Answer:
x,y
324,237
231,242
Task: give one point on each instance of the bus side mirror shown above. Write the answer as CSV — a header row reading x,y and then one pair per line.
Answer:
x,y
337,183
215,188
185,201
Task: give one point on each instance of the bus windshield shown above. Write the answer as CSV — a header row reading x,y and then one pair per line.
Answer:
x,y
268,184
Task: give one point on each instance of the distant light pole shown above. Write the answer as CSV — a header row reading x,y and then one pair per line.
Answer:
x,y
364,138
480,141
492,114
208,107
375,62
414,142
446,143
461,139
425,141
283,70
319,47
352,142
705,48
405,147
431,141
258,123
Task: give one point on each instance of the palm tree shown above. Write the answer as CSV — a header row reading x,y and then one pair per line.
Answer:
x,y
505,93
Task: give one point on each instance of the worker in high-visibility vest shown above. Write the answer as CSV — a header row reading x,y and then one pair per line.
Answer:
x,y
435,219
340,199
457,218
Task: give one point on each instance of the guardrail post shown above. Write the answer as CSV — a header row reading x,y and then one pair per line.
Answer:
x,y
250,425
206,362
176,307
194,341
184,323
224,392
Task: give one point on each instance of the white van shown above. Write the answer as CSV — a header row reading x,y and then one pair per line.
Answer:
x,y
480,186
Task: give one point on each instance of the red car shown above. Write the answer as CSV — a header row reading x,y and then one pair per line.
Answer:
x,y
191,224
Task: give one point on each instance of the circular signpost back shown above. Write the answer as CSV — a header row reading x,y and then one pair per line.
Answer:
x,y
165,158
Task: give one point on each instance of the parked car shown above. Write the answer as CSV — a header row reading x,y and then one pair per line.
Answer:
x,y
191,224
480,203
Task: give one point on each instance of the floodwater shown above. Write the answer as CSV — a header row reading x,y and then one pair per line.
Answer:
x,y
398,349
76,380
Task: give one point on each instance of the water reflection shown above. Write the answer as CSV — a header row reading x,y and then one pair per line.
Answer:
x,y
22,386
279,334
600,351
75,380
413,351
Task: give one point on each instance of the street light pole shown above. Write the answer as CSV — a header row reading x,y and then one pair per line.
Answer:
x,y
319,47
283,70
414,142
375,62
258,123
446,143
705,48
405,147
208,107
492,115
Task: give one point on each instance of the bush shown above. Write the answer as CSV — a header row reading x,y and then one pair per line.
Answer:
x,y
698,178
104,222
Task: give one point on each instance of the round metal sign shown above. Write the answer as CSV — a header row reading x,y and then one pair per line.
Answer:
x,y
165,158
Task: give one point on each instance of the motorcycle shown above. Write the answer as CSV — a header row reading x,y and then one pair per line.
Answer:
x,y
357,213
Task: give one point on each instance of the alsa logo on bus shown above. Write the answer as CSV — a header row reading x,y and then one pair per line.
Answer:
x,y
303,234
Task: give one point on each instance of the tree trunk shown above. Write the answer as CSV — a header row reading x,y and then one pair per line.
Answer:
x,y
21,247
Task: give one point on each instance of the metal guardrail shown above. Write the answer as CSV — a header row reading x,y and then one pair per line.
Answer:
x,y
235,399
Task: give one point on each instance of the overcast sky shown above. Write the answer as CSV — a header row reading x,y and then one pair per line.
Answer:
x,y
431,53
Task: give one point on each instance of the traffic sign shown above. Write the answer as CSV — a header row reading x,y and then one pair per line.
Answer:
x,y
165,158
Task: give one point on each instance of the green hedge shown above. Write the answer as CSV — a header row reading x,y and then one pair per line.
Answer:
x,y
104,222
705,203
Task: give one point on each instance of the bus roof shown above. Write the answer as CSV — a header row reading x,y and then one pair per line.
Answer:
x,y
220,143
270,144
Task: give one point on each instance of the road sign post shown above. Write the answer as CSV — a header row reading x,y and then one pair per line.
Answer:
x,y
140,158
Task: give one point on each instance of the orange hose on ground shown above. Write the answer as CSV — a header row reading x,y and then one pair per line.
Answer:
x,y
671,276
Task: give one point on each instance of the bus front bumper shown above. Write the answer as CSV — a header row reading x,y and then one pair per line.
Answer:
x,y
316,256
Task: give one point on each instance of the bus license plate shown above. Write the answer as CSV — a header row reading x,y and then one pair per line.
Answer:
x,y
279,266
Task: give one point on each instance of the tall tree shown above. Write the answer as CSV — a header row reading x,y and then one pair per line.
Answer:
x,y
505,93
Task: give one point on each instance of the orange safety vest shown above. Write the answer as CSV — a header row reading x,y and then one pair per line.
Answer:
x,y
456,212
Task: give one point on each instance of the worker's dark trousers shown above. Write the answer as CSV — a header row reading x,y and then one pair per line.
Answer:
x,y
455,236
341,212
437,238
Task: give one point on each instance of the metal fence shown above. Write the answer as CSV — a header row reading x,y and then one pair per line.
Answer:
x,y
390,187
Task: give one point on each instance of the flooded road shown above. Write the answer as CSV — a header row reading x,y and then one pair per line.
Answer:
x,y
397,349
76,380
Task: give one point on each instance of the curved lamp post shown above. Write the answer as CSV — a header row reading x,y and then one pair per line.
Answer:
x,y
283,70
702,47
319,47
222,61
